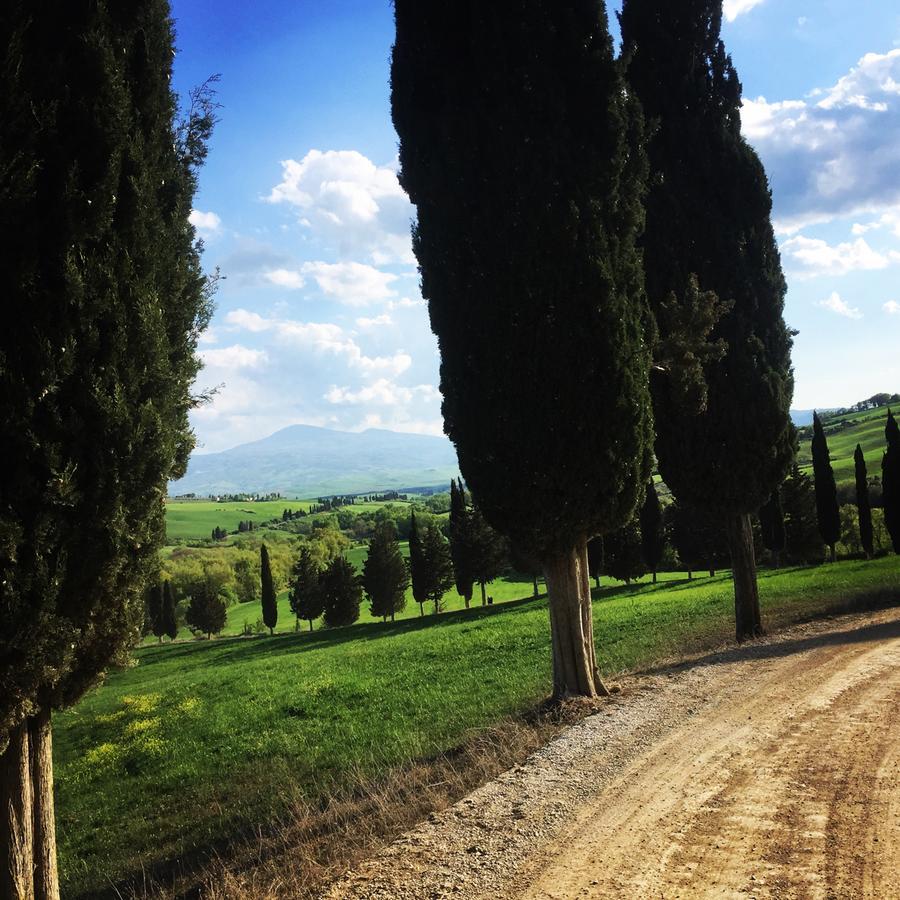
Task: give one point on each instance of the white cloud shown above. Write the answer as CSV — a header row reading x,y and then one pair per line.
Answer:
x,y
405,303
381,392
234,357
348,201
816,257
286,278
839,306
352,283
204,221
735,8
835,152
892,308
374,322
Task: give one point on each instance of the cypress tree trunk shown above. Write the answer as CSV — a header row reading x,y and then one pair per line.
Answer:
x,y
310,624
571,626
483,595
654,576
690,575
748,622
46,879
535,586
831,553
16,818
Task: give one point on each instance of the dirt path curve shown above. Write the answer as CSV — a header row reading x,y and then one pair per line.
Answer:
x,y
771,770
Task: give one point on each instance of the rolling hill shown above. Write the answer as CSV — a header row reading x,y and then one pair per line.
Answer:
x,y
306,461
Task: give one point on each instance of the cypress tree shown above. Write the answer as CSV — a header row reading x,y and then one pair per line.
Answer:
x,y
206,612
526,565
798,499
708,230
385,576
522,152
155,610
890,481
595,559
437,566
103,300
653,535
863,504
170,618
305,594
623,557
828,514
417,566
341,593
488,554
771,521
461,542
268,596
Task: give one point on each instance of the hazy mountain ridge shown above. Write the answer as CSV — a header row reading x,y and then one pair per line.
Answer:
x,y
308,461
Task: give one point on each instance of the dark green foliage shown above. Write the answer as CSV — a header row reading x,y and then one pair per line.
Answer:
x,y
653,534
699,541
708,225
206,612
103,301
341,593
267,593
798,500
595,558
827,512
305,595
863,504
461,541
524,564
169,615
771,523
623,557
437,567
156,625
385,576
246,581
417,565
890,480
489,554
521,151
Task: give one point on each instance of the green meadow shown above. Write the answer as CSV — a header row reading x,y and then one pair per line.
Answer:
x,y
202,740
195,519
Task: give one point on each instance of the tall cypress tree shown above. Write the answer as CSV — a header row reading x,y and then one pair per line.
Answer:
x,y
268,597
708,228
103,301
461,541
828,514
798,499
521,150
489,553
155,610
653,535
341,593
305,595
623,557
863,504
771,521
170,618
890,481
437,567
418,570
385,576
595,559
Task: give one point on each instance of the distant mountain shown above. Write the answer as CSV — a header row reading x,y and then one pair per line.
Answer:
x,y
307,461
801,417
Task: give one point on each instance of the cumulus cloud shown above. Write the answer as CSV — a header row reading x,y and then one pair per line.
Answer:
x,y
234,357
405,303
812,257
839,306
350,203
892,308
835,152
204,221
735,8
375,322
286,278
352,283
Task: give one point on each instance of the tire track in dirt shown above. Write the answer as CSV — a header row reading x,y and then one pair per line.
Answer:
x,y
771,770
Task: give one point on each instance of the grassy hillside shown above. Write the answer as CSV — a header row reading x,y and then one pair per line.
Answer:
x,y
195,519
202,739
844,432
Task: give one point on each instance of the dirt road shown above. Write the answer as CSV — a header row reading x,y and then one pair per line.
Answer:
x,y
771,770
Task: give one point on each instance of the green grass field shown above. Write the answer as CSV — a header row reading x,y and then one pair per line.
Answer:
x,y
195,519
867,430
203,739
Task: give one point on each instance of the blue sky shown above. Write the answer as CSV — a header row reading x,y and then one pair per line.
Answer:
x,y
319,319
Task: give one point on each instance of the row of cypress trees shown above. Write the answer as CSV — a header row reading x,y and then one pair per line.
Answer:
x,y
595,246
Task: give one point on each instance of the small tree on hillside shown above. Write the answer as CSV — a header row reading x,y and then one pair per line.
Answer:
x,y
771,523
653,534
385,576
417,566
863,504
890,481
267,594
206,612
489,555
305,594
341,594
246,581
623,556
798,500
155,610
828,514
437,566
461,541
169,612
